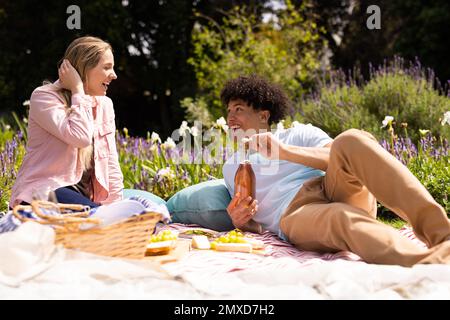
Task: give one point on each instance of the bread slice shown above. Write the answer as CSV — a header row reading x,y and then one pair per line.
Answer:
x,y
236,247
160,247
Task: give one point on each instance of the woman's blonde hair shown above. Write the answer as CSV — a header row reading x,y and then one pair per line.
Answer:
x,y
83,54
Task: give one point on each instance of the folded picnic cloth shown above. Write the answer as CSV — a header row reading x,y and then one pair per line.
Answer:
x,y
120,210
26,252
10,223
151,206
31,262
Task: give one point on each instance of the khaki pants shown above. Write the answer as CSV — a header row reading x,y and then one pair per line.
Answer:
x,y
338,212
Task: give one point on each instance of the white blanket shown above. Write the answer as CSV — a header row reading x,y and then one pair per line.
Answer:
x,y
32,267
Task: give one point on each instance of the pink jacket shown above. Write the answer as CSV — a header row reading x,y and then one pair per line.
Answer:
x,y
51,159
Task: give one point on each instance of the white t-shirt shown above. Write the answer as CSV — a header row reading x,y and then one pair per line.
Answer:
x,y
277,182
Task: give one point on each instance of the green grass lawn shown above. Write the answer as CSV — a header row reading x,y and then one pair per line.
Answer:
x,y
397,223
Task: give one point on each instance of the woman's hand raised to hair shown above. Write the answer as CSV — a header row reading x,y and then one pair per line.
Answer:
x,y
69,78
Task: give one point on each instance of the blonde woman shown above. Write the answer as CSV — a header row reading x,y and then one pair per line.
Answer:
x,y
71,147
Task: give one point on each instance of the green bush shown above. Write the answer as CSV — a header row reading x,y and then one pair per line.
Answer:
x,y
408,100
407,94
432,168
434,174
429,161
338,109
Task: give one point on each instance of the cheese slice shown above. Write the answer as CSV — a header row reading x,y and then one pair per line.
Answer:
x,y
200,242
236,247
256,244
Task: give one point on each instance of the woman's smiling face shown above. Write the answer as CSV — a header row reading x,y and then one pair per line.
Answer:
x,y
99,77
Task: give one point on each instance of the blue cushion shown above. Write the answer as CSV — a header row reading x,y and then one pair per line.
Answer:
x,y
128,193
204,204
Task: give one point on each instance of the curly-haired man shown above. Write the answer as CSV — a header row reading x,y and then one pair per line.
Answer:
x,y
323,197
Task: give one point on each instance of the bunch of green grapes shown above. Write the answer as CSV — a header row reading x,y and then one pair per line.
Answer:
x,y
234,236
164,236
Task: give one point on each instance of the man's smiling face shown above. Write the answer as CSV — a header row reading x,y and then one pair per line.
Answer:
x,y
242,116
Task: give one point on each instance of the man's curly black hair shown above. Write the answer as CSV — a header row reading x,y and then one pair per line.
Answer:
x,y
258,93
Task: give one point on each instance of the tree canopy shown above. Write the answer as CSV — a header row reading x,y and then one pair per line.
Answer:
x,y
170,50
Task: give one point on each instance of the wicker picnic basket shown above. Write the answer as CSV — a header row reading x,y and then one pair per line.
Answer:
x,y
127,238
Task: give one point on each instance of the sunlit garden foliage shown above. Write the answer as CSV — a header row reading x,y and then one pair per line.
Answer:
x,y
287,51
152,165
406,91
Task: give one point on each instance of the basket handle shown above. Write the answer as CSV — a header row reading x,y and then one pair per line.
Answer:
x,y
61,219
66,222
23,219
85,210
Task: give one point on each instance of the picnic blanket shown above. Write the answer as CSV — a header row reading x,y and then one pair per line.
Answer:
x,y
284,273
209,261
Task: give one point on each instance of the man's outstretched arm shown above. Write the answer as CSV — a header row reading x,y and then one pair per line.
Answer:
x,y
316,158
270,147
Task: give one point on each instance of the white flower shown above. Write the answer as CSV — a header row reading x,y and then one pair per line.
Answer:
x,y
194,131
155,137
25,120
222,123
280,125
295,124
169,144
7,127
387,120
423,132
184,128
26,103
446,118
166,172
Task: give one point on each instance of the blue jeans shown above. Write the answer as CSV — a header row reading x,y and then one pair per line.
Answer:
x,y
68,195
